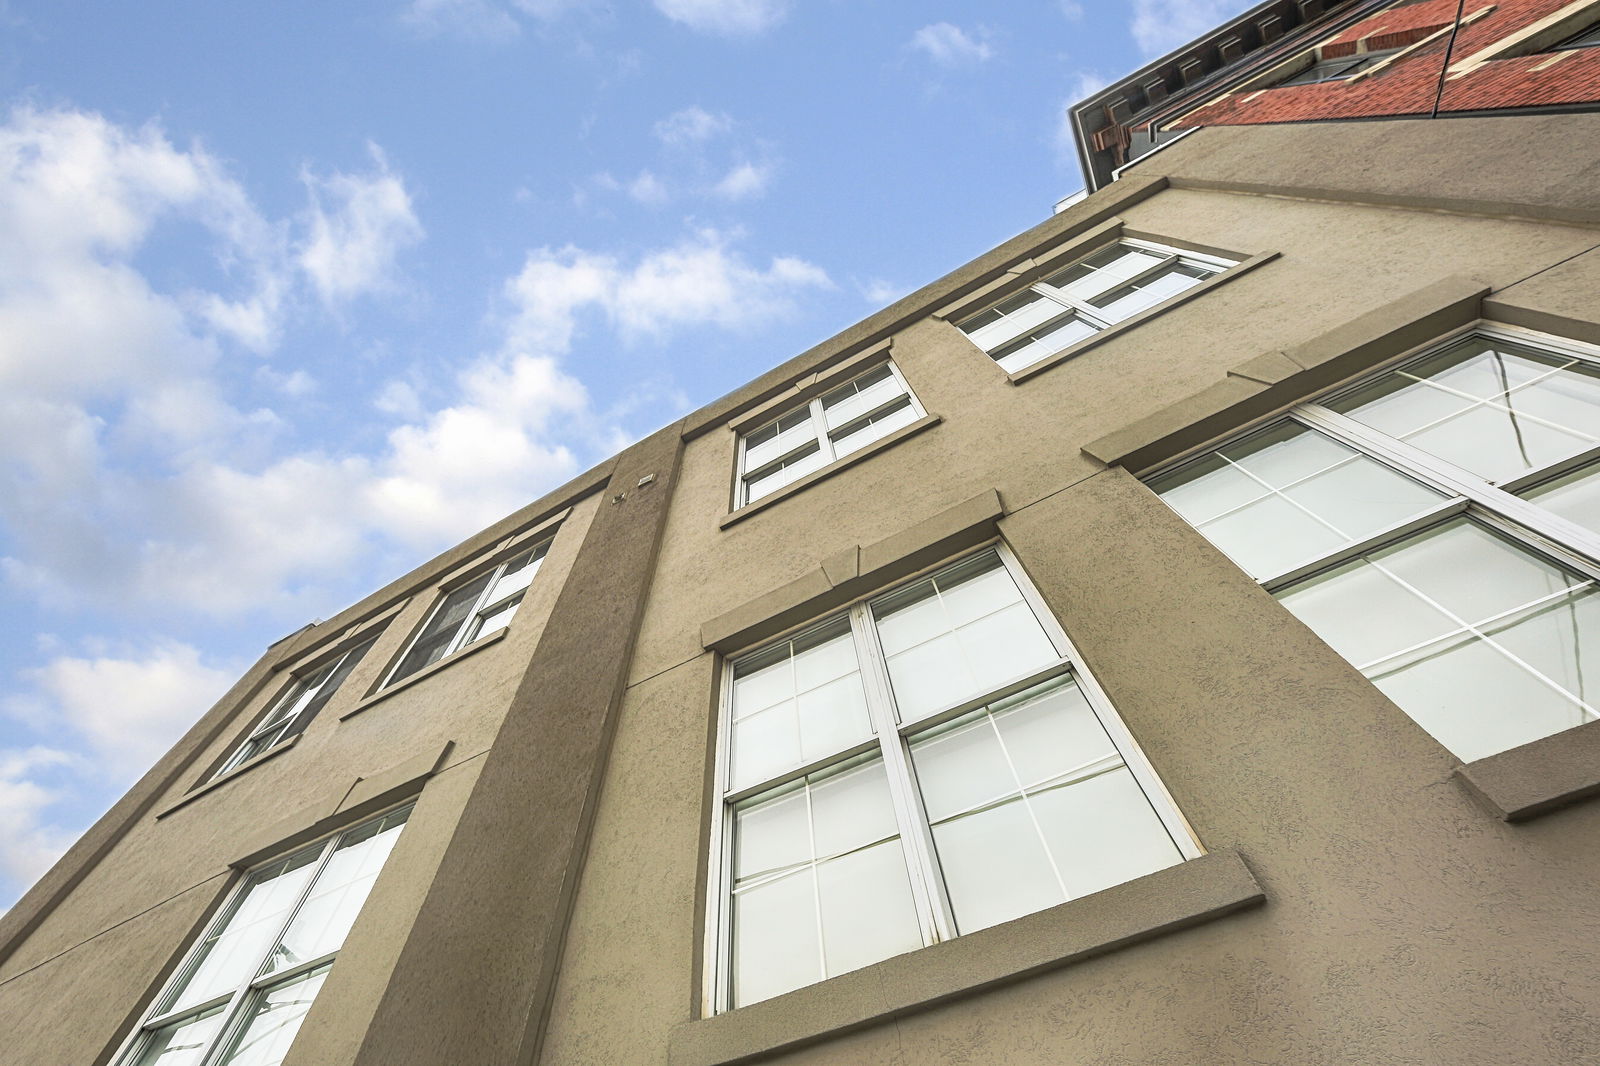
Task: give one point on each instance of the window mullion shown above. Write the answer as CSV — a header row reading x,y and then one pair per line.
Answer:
x,y
935,915
478,605
1055,295
1494,500
819,427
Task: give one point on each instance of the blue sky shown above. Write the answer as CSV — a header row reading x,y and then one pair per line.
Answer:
x,y
294,295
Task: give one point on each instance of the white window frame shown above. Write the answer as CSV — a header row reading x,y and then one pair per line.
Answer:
x,y
1089,313
821,435
487,603
236,1002
890,739
1495,507
311,700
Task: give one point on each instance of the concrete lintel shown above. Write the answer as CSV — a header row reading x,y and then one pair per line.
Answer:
x,y
1538,777
1164,902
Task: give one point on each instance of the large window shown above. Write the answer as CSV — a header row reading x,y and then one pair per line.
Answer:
x,y
840,421
1439,526
471,610
1081,300
307,694
239,997
1338,68
931,762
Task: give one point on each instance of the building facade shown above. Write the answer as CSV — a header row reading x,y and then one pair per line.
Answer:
x,y
1167,638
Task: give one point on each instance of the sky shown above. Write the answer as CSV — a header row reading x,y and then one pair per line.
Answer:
x,y
293,296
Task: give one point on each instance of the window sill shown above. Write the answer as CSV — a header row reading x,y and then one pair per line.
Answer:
x,y
1074,350
219,781
427,671
1166,901
828,471
1538,777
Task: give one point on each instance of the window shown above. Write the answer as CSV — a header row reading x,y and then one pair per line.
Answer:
x,y
307,694
1113,284
1588,38
1439,526
239,997
830,427
472,610
931,762
1339,68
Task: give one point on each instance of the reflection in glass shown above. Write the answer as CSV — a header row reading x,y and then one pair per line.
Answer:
x,y
1574,496
274,1020
182,1043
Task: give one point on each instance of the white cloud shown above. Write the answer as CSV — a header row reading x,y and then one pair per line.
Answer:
x,y
1159,26
881,292
29,845
648,189
358,224
951,46
726,18
691,125
744,182
480,20
1071,10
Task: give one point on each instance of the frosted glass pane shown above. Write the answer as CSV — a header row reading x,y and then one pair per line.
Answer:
x,y
764,687
856,398
917,617
181,1044
832,718
764,446
1361,497
867,910
1049,340
1049,730
1103,832
1474,700
876,428
1270,536
498,618
1005,646
336,898
1570,398
1024,315
1561,640
1397,405
1575,497
792,470
1151,292
775,945
1471,572
995,867
1207,488
1286,453
833,658
233,952
1113,268
519,572
274,1022
1363,613
771,835
960,767
930,676
851,808
765,744
1496,444
978,595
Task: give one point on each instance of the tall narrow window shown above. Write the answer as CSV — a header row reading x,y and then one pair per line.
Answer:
x,y
1081,300
239,997
929,763
472,610
307,694
1439,526
830,427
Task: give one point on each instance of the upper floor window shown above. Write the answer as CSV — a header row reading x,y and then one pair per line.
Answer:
x,y
307,694
829,427
1081,300
1439,526
241,993
1587,38
931,762
1337,68
471,610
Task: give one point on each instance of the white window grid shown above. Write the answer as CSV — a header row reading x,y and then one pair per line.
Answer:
x,y
824,443
236,1002
496,602
307,693
1066,306
891,739
1493,505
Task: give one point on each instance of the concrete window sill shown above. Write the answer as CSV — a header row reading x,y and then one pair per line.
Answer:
x,y
1117,330
828,471
1172,899
1539,777
217,782
427,671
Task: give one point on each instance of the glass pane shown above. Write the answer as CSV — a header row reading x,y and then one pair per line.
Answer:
x,y
875,428
1049,729
1129,301
1103,831
1103,271
772,834
953,635
778,438
440,632
1575,496
792,469
855,398
330,910
1498,409
182,1043
1068,330
519,572
1318,495
1024,312
797,702
495,618
775,943
1475,637
230,955
274,1020
867,910
995,866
